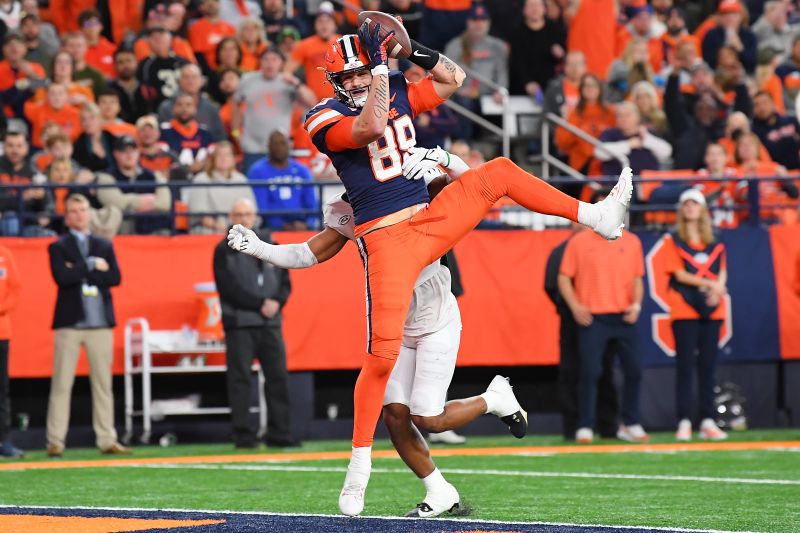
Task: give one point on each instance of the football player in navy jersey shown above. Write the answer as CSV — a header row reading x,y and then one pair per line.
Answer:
x,y
368,133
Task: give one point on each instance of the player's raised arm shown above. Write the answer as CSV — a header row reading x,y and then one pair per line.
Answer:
x,y
317,249
447,76
371,123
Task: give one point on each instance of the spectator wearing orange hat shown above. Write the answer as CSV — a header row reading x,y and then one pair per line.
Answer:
x,y
731,31
207,31
54,109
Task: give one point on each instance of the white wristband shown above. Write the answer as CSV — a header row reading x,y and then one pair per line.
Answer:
x,y
380,70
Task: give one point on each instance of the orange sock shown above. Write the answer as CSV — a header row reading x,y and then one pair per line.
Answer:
x,y
368,398
528,190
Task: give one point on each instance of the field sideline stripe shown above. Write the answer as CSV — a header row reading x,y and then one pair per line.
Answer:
x,y
387,518
492,472
448,452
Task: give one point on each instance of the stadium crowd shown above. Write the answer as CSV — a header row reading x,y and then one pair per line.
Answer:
x,y
133,94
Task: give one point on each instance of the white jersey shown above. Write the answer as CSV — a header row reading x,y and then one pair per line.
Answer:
x,y
433,306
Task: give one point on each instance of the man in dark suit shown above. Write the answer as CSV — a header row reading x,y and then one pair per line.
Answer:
x,y
84,267
569,363
252,294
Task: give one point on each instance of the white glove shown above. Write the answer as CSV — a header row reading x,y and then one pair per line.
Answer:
x,y
246,241
419,160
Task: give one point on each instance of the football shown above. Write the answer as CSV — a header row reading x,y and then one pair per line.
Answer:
x,y
400,44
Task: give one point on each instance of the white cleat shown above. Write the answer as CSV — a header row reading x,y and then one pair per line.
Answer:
x,y
684,432
633,433
445,501
709,430
351,499
446,437
584,436
614,207
507,407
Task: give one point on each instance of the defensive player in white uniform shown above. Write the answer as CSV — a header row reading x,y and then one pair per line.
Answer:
x,y
417,389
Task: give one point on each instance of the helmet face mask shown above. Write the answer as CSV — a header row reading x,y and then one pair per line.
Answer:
x,y
346,57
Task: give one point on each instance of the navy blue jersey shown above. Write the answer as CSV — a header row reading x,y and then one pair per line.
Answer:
x,y
190,142
373,175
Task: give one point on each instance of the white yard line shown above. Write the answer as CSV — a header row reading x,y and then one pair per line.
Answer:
x,y
471,472
387,518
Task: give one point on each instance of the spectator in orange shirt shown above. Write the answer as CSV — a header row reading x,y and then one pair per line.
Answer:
x,y
228,84
698,278
642,26
253,42
17,75
592,116
766,80
108,102
676,35
10,288
54,109
310,54
592,30
207,31
100,52
737,125
62,72
601,283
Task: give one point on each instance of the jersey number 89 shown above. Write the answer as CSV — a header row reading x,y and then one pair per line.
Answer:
x,y
385,156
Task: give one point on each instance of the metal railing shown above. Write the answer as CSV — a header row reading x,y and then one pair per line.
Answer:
x,y
509,216
549,159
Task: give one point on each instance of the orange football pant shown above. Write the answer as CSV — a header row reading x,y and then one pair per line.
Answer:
x,y
395,255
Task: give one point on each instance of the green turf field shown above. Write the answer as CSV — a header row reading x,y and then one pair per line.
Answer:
x,y
757,490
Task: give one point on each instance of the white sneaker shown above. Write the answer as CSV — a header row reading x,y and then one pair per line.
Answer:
x,y
584,435
634,433
351,499
444,501
446,437
709,430
684,433
506,406
614,207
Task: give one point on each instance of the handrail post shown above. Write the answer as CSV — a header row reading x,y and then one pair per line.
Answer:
x,y
506,121
545,149
753,201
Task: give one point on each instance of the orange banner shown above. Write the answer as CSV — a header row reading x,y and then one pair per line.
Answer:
x,y
508,319
785,241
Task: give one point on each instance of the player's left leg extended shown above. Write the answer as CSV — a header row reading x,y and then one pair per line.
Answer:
x,y
391,269
461,205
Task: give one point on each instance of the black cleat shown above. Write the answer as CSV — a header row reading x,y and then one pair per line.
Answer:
x,y
517,423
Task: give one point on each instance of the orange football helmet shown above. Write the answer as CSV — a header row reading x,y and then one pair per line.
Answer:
x,y
345,56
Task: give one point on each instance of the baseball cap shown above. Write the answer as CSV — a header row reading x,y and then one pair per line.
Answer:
x,y
326,8
125,142
288,31
638,7
692,194
729,6
147,120
766,55
478,12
